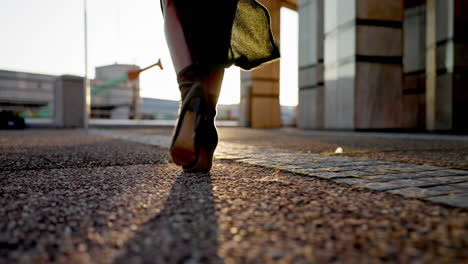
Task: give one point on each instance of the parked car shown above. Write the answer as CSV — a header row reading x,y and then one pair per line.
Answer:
x,y
11,120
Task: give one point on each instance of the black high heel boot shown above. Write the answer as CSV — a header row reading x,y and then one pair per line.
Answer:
x,y
207,138
185,146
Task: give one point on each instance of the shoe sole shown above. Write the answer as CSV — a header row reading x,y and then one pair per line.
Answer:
x,y
204,163
183,151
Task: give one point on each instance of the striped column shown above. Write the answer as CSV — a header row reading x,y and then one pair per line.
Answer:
x,y
363,64
447,65
414,65
260,105
311,84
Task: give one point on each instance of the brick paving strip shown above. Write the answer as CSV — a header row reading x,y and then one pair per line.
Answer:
x,y
436,184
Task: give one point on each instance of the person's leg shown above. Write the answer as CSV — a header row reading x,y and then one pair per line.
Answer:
x,y
212,84
183,149
175,38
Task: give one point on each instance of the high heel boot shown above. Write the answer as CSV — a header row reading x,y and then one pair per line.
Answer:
x,y
208,140
195,137
185,145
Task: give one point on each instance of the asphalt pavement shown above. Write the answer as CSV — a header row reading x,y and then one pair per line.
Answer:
x,y
75,197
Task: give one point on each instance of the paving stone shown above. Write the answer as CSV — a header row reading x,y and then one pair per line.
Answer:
x,y
304,164
332,165
378,170
249,161
412,183
386,169
411,168
438,173
383,178
266,163
389,167
458,172
229,157
416,192
284,161
446,180
397,175
352,181
355,173
433,168
311,167
334,169
292,168
293,159
415,175
327,175
325,164
303,171
387,163
381,186
445,188
457,200
462,185
355,166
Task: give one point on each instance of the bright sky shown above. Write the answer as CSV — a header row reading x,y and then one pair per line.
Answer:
x,y
46,36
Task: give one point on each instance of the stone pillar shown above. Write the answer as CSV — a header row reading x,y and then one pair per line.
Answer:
x,y
446,65
363,64
311,88
260,106
70,102
414,65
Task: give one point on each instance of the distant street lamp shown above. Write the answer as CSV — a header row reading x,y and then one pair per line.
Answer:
x,y
133,75
87,103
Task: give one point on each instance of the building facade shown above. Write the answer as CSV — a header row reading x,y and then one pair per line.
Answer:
x,y
29,93
113,95
394,64
363,65
371,65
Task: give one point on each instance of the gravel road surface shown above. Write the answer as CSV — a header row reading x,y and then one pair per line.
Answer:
x,y
94,199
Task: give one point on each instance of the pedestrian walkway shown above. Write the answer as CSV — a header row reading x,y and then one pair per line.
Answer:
x,y
75,196
432,183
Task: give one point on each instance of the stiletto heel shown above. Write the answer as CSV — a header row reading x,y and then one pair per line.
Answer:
x,y
196,112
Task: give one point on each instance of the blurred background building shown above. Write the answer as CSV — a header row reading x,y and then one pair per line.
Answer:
x,y
113,95
393,64
29,93
363,65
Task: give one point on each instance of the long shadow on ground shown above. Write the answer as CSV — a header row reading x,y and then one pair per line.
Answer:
x,y
184,232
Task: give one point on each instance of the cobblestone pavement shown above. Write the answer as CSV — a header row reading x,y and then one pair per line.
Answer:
x,y
73,197
436,184
424,149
